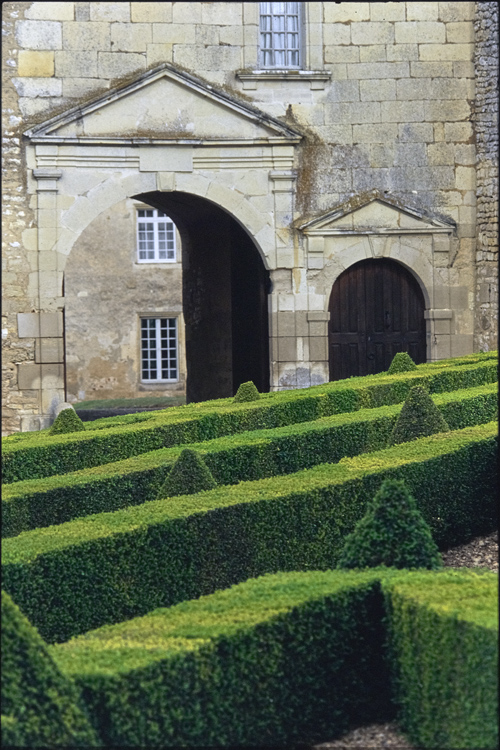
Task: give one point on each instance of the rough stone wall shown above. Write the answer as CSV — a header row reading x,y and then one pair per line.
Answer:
x,y
486,131
18,256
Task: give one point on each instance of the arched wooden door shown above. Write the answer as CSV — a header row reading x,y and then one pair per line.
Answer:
x,y
376,310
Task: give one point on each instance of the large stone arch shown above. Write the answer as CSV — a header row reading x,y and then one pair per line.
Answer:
x,y
230,303
87,207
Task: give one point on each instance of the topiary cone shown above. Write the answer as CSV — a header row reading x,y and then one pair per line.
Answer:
x,y
402,362
188,475
247,392
66,421
393,533
418,417
45,707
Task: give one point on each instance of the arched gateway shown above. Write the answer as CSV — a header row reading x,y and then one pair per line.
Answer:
x,y
376,310
224,290
256,280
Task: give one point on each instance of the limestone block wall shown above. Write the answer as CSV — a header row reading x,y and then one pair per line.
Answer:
x,y
486,132
393,97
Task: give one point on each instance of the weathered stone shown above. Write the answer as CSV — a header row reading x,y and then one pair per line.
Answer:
x,y
48,11
427,32
109,11
346,12
117,64
76,64
35,64
130,37
39,35
87,36
151,12
34,87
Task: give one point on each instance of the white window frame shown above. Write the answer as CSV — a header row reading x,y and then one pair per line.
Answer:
x,y
151,238
155,359
280,16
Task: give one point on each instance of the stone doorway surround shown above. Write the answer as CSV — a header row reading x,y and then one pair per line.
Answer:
x,y
375,225
169,131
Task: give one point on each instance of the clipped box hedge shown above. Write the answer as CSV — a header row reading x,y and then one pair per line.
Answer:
x,y
299,658
243,457
44,456
443,636
113,566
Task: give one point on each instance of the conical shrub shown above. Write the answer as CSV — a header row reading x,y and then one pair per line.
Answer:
x,y
188,475
246,392
45,708
67,421
418,417
402,362
392,532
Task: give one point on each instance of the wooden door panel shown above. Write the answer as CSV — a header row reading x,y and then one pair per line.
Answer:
x,y
376,310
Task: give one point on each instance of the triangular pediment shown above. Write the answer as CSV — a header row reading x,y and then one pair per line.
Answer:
x,y
374,212
165,103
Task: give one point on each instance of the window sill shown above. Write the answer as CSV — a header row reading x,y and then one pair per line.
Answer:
x,y
157,263
316,78
147,383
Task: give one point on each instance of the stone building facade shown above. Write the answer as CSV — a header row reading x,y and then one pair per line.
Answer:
x,y
332,190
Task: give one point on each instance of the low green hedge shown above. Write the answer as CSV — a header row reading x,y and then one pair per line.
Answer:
x,y
43,707
272,662
443,636
247,456
112,566
300,658
46,456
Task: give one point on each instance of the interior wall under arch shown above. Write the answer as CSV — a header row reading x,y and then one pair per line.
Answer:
x,y
106,292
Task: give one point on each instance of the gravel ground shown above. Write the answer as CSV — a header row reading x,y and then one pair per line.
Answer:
x,y
482,552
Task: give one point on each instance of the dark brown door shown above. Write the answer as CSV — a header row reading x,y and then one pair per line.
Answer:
x,y
376,310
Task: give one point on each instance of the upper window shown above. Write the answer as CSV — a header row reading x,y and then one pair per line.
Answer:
x,y
155,237
280,35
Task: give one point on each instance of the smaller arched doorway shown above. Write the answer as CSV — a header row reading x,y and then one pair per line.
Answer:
x,y
376,310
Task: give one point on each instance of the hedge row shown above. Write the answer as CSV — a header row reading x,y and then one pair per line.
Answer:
x,y
468,359
112,566
444,650
251,455
42,707
46,456
299,658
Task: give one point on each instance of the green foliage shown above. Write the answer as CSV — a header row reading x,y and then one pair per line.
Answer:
x,y
189,475
246,392
297,657
443,636
419,417
45,455
392,532
125,563
67,421
237,458
43,707
279,661
402,362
